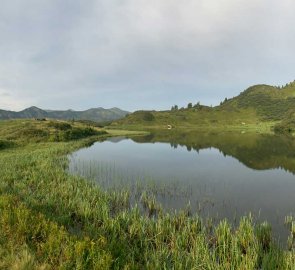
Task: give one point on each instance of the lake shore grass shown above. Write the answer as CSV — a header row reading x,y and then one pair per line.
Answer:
x,y
260,127
52,220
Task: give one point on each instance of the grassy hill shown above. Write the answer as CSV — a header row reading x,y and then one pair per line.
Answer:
x,y
269,102
96,114
259,107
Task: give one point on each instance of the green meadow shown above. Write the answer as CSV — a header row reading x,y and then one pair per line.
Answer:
x,y
260,108
52,220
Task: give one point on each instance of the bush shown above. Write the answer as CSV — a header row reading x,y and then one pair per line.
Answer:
x,y
145,115
4,144
285,127
60,125
93,123
75,134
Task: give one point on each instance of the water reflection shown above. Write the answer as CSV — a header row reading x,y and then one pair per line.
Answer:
x,y
218,175
256,151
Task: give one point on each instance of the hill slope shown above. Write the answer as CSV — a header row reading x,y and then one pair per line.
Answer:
x,y
257,105
97,114
270,103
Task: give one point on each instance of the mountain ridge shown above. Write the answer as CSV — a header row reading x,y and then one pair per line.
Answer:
x,y
93,114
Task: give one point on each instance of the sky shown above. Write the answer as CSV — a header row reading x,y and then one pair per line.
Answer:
x,y
141,54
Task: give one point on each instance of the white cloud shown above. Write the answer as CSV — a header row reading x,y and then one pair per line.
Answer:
x,y
63,53
10,101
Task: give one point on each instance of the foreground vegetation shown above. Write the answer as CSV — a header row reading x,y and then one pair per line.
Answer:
x,y
51,220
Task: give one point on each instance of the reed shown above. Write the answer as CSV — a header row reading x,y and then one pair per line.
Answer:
x,y
52,220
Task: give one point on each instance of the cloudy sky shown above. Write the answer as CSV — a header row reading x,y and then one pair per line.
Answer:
x,y
141,54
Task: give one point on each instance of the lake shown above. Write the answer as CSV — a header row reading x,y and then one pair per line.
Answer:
x,y
217,175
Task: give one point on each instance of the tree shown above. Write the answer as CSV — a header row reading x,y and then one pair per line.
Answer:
x,y
190,105
197,105
174,108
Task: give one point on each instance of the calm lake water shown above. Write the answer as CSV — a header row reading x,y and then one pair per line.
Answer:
x,y
216,175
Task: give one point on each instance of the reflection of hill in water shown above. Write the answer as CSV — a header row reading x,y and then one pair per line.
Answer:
x,y
116,139
256,151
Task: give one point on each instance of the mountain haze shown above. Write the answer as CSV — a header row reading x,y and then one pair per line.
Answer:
x,y
95,114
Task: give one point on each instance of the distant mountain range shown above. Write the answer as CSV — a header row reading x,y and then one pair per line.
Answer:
x,y
96,114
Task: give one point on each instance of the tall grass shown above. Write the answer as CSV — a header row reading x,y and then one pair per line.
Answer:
x,y
51,220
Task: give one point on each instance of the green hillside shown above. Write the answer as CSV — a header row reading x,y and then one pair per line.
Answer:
x,y
269,102
260,107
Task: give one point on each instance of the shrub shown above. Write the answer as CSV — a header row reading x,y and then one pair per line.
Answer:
x,y
147,116
93,123
144,115
285,127
5,144
75,134
60,125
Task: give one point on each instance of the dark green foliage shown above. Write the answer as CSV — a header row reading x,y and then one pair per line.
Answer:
x,y
174,108
269,102
144,116
283,128
197,105
4,144
93,123
190,105
41,119
78,133
267,107
202,107
287,126
75,134
148,116
60,125
222,102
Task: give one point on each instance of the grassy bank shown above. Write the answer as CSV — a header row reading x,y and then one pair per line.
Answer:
x,y
213,120
51,220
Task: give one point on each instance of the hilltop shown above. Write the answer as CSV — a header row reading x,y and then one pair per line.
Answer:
x,y
261,106
96,114
269,102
